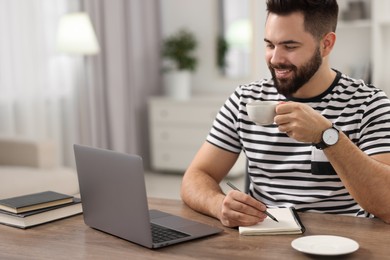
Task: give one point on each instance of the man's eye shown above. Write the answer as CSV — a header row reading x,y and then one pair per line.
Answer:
x,y
290,47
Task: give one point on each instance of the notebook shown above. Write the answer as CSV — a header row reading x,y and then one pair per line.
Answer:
x,y
114,200
288,223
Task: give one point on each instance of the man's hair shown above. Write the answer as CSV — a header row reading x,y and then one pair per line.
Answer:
x,y
320,16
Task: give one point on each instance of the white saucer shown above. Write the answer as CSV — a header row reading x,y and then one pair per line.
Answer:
x,y
325,245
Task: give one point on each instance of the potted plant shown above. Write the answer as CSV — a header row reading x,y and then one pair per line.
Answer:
x,y
222,50
179,63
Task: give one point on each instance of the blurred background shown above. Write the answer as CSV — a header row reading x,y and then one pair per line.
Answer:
x,y
148,76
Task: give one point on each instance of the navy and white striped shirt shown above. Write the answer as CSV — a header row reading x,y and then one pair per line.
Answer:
x,y
285,172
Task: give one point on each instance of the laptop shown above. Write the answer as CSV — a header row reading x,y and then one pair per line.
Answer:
x,y
114,200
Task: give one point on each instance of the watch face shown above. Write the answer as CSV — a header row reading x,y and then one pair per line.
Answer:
x,y
330,136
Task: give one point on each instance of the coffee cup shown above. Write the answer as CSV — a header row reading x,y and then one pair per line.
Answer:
x,y
262,112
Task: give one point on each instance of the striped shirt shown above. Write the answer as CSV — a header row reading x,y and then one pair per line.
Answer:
x,y
288,173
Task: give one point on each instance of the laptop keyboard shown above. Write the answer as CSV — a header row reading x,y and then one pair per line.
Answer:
x,y
162,234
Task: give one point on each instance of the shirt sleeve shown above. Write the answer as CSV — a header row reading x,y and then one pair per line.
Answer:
x,y
375,125
224,132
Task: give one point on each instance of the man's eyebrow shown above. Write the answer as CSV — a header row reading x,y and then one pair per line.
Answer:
x,y
283,42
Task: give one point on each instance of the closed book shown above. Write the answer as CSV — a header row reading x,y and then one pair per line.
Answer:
x,y
288,223
40,216
34,201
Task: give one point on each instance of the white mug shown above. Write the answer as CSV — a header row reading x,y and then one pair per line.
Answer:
x,y
262,112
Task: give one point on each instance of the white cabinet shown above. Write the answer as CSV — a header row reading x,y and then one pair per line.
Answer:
x,y
362,45
179,128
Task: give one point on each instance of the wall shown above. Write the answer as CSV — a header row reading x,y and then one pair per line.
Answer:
x,y
201,18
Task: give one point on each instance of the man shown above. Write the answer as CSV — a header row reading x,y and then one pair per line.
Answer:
x,y
291,163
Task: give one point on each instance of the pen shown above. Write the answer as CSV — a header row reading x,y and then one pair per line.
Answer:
x,y
265,212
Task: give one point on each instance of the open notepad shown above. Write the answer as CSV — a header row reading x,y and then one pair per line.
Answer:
x,y
289,223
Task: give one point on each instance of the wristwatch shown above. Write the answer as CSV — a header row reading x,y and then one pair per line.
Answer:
x,y
329,137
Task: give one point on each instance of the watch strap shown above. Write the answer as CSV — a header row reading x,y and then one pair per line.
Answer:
x,y
321,145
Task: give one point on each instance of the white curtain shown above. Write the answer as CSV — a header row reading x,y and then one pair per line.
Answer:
x,y
123,76
36,82
95,100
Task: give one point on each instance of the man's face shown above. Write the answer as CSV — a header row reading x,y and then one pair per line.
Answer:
x,y
293,56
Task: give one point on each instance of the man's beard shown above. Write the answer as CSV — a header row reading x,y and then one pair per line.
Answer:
x,y
288,87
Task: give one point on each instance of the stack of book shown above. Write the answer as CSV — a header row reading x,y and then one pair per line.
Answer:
x,y
38,208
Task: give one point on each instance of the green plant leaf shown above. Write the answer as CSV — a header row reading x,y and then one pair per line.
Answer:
x,y
179,48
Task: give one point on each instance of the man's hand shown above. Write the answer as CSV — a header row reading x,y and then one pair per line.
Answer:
x,y
301,122
240,209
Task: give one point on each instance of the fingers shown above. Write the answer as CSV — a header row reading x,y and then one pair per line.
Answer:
x,y
240,209
300,121
285,113
285,107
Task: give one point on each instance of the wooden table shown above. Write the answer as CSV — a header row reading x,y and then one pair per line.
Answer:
x,y
71,239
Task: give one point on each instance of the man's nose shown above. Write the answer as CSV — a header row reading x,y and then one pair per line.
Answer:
x,y
277,56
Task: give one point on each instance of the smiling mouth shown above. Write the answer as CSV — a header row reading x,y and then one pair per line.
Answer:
x,y
282,73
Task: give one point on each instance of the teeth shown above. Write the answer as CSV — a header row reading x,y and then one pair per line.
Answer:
x,y
282,73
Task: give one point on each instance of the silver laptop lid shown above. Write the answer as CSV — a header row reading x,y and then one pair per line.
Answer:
x,y
113,206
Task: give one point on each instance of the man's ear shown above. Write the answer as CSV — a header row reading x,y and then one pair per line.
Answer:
x,y
327,43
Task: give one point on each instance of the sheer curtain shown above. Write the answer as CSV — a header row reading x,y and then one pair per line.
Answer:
x,y
99,100
36,82
123,76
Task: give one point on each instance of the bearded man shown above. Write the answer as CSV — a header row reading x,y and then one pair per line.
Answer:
x,y
328,150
